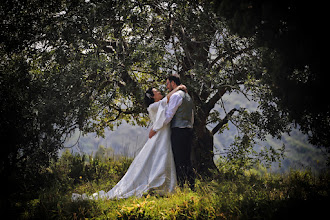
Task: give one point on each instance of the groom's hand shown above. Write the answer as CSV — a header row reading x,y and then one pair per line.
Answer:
x,y
152,133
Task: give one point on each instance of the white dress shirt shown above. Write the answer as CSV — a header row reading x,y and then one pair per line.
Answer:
x,y
173,105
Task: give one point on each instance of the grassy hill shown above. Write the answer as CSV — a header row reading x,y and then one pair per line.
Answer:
x,y
248,195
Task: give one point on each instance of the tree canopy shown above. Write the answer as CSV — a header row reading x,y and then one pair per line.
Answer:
x,y
291,31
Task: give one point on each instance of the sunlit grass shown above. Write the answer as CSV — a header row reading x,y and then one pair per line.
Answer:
x,y
250,194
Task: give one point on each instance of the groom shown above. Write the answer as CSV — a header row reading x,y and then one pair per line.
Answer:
x,y
180,114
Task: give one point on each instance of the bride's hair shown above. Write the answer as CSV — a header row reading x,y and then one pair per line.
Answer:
x,y
149,97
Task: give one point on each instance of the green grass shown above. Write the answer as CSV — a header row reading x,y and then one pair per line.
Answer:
x,y
251,194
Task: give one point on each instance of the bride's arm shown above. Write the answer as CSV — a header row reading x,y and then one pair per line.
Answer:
x,y
183,87
153,131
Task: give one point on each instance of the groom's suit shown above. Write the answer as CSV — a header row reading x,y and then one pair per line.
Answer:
x,y
180,110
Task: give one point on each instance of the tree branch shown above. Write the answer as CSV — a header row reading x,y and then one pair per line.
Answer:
x,y
211,103
216,60
223,121
75,144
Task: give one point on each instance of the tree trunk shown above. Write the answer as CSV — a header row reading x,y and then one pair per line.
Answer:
x,y
196,52
202,150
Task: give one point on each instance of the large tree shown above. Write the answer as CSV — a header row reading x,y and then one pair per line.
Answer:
x,y
86,65
291,30
40,103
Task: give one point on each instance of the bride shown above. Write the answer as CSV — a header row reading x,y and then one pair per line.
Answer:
x,y
153,168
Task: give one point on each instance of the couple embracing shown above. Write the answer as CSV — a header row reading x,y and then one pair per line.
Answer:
x,y
164,161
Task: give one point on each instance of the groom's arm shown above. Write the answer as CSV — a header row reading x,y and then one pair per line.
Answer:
x,y
173,105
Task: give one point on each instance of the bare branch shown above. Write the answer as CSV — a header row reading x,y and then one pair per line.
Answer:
x,y
74,143
223,121
211,103
216,60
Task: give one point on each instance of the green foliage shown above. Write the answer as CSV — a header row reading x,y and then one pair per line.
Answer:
x,y
252,193
88,171
291,56
78,173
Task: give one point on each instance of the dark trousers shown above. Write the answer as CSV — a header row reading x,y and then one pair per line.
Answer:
x,y
181,139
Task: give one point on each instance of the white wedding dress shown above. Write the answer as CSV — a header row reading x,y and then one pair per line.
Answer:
x,y
153,168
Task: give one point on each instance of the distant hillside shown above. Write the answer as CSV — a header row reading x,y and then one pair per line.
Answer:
x,y
125,140
128,140
298,152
